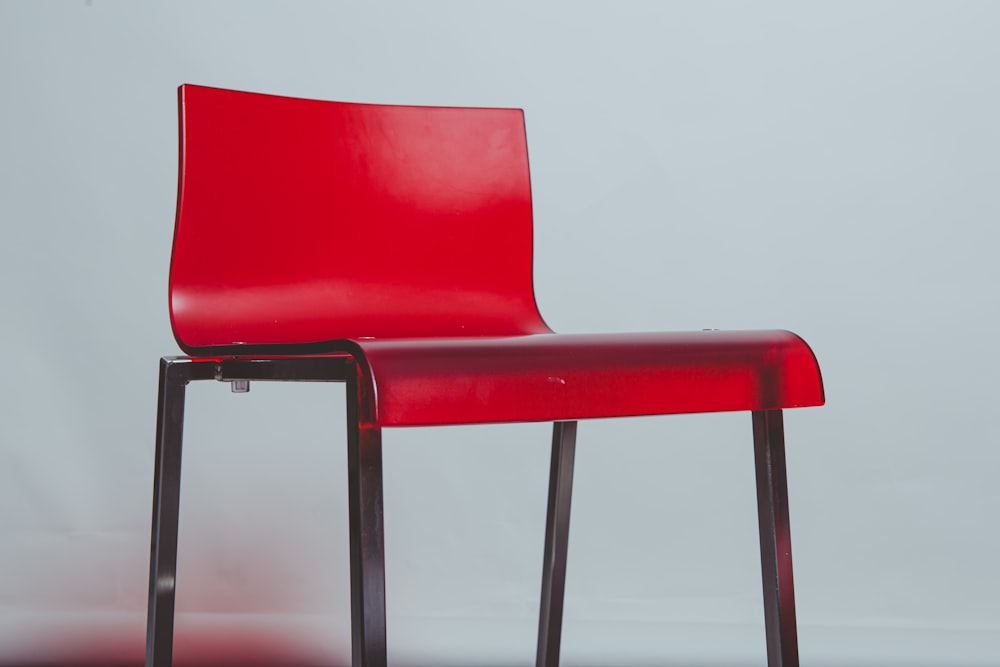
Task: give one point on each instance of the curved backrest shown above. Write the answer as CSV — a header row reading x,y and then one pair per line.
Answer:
x,y
301,221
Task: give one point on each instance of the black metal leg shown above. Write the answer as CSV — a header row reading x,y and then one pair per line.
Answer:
x,y
364,471
775,539
166,500
556,543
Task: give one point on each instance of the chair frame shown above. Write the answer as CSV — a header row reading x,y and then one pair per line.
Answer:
x,y
367,561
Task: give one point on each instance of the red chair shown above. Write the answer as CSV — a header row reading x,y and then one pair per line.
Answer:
x,y
390,248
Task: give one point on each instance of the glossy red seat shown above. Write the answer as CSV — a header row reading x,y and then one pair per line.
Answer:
x,y
390,248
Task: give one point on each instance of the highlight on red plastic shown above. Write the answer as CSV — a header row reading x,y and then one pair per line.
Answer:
x,y
402,236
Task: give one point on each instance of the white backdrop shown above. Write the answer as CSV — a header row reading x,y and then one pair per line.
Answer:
x,y
827,168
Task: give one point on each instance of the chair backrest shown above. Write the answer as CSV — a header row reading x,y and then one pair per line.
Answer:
x,y
301,221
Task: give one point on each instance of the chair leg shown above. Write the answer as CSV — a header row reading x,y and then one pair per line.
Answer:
x,y
364,470
556,543
775,539
166,501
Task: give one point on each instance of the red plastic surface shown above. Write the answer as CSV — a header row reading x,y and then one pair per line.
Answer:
x,y
402,235
300,221
552,376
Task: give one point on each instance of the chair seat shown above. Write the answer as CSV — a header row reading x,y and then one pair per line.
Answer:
x,y
554,377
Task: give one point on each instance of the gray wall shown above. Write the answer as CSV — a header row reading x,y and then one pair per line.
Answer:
x,y
827,168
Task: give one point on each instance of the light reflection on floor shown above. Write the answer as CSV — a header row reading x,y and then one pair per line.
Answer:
x,y
204,640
